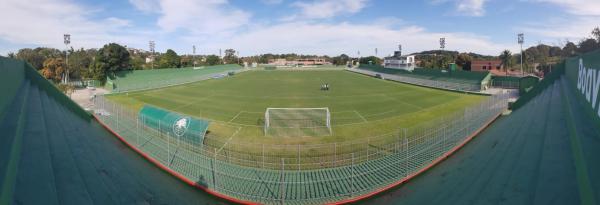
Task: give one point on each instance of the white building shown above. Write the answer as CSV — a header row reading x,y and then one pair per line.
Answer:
x,y
398,61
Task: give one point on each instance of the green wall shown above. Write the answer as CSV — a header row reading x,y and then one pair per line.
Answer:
x,y
11,78
583,74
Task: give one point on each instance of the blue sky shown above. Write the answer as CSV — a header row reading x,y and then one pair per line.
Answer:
x,y
328,27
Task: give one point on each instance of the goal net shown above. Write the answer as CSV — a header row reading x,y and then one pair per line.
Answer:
x,y
297,122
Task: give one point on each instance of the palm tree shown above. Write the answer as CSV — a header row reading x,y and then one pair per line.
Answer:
x,y
506,57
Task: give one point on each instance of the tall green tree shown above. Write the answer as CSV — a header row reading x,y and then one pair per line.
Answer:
x,y
506,57
587,45
213,60
596,34
169,60
370,60
109,59
569,50
230,56
31,56
464,61
79,63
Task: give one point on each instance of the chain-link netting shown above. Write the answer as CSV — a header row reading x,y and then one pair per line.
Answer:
x,y
455,85
303,174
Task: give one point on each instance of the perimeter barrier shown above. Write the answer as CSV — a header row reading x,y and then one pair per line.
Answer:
x,y
294,174
128,81
446,85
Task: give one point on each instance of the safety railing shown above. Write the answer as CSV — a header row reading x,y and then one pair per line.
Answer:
x,y
302,174
447,85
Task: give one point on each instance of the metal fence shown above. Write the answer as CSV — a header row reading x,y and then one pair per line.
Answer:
x,y
126,86
447,85
302,174
505,84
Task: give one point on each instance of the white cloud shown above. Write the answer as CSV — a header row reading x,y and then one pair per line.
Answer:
x,y
471,7
198,17
577,7
334,39
465,7
145,5
582,16
327,8
573,28
43,23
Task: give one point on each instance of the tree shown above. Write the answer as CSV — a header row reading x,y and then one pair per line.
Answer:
x,y
109,59
596,34
169,60
230,56
213,60
79,63
587,45
12,55
464,61
53,69
341,60
569,50
31,56
506,57
370,60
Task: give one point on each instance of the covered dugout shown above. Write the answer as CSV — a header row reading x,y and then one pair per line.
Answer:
x,y
171,124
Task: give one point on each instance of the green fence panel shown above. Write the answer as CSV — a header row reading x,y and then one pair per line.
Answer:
x,y
132,80
10,80
54,92
527,83
173,124
582,72
556,73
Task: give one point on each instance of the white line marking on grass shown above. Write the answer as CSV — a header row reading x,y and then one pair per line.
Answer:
x,y
193,102
238,114
403,102
363,118
228,140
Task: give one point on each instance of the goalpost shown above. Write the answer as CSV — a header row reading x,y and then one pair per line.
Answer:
x,y
297,122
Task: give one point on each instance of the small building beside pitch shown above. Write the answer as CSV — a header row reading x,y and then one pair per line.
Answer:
x,y
398,61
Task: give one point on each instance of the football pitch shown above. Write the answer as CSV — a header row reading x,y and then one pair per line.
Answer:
x,y
360,106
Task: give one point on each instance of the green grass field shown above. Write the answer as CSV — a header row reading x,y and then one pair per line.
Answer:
x,y
360,106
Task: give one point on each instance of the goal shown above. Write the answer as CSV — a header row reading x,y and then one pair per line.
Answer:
x,y
297,122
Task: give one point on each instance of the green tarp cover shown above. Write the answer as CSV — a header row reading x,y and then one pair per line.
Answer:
x,y
185,128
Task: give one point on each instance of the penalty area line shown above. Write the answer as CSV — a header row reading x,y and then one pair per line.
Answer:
x,y
234,117
228,140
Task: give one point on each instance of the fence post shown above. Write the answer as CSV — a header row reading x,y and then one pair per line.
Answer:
x,y
368,143
282,182
352,176
298,157
214,168
407,153
117,111
263,155
137,127
334,154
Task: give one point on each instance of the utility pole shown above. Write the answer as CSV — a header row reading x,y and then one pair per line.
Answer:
x,y
152,45
521,39
67,40
194,55
442,47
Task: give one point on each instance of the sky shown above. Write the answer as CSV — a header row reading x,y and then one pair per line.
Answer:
x,y
320,27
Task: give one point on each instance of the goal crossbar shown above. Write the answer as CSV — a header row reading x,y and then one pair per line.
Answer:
x,y
298,118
